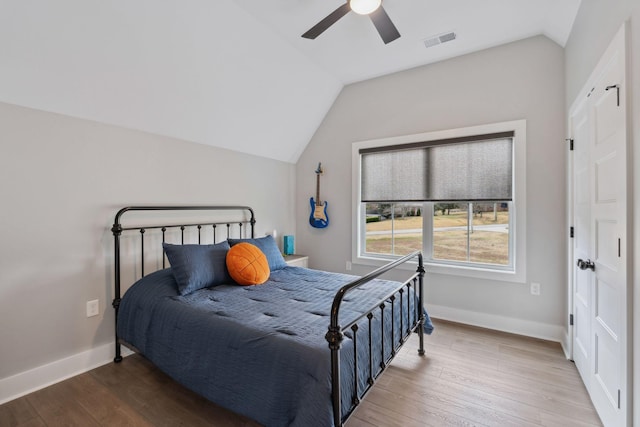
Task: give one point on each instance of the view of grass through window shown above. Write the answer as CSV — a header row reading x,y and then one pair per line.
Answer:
x,y
464,232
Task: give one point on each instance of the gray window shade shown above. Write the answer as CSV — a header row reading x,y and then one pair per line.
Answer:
x,y
451,170
385,175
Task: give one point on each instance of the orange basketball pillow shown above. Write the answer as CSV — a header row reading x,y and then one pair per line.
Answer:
x,y
247,264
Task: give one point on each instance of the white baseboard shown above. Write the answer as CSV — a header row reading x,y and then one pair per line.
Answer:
x,y
43,376
566,347
512,325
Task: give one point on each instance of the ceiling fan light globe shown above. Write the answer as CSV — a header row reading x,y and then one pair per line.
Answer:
x,y
364,7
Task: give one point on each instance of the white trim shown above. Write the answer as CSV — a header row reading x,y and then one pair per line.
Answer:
x,y
43,376
511,325
566,346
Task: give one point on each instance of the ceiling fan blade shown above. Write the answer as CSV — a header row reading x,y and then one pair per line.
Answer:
x,y
383,24
331,19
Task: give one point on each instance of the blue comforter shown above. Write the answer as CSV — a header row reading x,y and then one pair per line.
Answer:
x,y
259,350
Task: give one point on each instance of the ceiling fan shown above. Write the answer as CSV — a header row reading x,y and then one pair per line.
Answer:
x,y
373,8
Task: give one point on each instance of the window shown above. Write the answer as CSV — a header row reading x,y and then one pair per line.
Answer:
x,y
454,195
470,232
393,228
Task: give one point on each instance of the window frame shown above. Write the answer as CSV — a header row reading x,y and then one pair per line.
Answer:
x,y
517,249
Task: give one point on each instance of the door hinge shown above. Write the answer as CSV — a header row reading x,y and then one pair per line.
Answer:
x,y
618,398
571,320
570,141
571,233
617,88
618,248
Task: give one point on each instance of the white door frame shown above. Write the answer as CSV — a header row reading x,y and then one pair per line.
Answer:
x,y
570,164
568,344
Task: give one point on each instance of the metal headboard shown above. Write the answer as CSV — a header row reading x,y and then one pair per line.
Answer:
x,y
117,230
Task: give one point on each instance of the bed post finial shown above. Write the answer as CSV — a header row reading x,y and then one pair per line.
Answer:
x,y
116,229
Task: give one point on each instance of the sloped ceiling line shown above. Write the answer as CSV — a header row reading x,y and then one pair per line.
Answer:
x,y
233,74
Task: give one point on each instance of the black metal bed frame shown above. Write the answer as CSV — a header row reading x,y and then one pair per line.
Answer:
x,y
117,230
335,334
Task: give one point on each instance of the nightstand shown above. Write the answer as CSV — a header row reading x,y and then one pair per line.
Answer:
x,y
297,260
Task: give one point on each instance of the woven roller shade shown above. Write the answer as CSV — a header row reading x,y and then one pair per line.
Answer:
x,y
462,169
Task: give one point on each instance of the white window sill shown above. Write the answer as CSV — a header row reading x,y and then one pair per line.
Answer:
x,y
454,270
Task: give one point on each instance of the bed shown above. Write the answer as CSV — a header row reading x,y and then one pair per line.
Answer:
x,y
301,349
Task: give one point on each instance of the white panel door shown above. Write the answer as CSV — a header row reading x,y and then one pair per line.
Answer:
x,y
609,233
600,288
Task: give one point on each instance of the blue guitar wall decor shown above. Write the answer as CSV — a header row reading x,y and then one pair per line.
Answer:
x,y
318,217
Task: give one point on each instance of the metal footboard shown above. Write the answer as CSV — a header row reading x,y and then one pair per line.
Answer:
x,y
336,333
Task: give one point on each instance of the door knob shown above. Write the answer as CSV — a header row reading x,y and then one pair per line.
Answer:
x,y
588,264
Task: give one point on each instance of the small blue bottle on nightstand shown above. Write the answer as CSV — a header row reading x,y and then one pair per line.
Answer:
x,y
288,245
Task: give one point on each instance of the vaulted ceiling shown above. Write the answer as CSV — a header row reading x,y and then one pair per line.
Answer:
x,y
352,51
234,74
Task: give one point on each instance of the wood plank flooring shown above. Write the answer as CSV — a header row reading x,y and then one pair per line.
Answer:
x,y
469,377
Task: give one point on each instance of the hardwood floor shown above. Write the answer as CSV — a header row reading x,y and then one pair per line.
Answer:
x,y
473,376
469,377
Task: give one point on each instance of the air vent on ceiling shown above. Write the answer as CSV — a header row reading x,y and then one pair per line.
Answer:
x,y
442,38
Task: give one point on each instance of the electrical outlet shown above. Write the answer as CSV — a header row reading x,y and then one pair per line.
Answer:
x,y
535,288
348,266
93,308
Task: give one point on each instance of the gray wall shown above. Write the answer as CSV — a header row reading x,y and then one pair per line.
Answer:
x,y
521,80
596,24
63,179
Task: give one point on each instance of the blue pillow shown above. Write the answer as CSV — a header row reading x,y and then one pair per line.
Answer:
x,y
270,249
198,266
